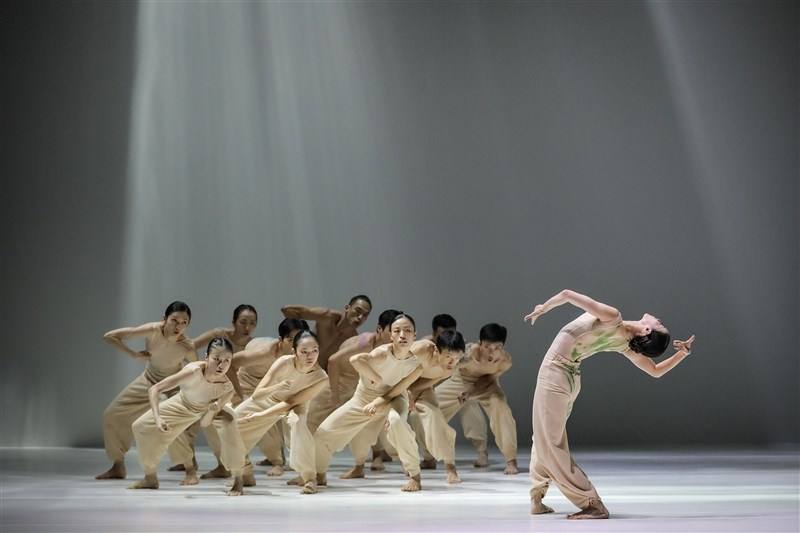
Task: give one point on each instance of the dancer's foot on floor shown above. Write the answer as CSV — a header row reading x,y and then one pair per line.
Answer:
x,y
219,472
595,510
511,468
150,481
452,475
428,464
355,472
482,461
117,471
414,484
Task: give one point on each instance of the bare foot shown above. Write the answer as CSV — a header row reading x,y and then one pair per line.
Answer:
x,y
219,472
511,468
452,475
537,507
237,489
414,484
117,471
595,510
296,481
355,472
149,482
264,462
276,470
190,478
309,487
322,480
428,464
377,464
482,460
248,479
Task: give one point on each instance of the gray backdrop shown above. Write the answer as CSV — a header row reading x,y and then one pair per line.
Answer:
x,y
471,158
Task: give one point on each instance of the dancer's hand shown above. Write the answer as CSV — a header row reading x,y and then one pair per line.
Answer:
x,y
462,398
686,345
236,399
162,426
249,417
372,407
538,311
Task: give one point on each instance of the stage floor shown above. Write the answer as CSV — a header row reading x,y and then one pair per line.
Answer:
x,y
51,489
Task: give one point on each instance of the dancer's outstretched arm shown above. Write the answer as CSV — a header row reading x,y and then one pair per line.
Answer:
x,y
115,338
600,310
285,406
682,349
395,391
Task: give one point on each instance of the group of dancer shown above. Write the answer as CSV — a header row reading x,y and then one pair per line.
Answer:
x,y
306,395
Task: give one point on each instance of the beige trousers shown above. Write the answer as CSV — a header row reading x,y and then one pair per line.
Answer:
x,y
434,434
556,391
238,440
271,444
152,443
492,401
130,404
349,424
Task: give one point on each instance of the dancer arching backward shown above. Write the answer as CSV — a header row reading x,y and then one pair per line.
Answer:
x,y
476,378
204,391
290,383
245,320
247,370
599,329
386,372
332,326
165,351
344,379
473,422
430,425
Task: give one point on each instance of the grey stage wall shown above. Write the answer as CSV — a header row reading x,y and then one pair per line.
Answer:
x,y
465,158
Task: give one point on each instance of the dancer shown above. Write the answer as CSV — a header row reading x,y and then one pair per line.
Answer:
x,y
439,325
333,326
166,349
289,384
344,380
245,320
599,329
248,368
204,391
476,378
385,374
473,422
430,426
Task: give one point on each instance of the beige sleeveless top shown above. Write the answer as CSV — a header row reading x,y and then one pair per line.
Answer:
x,y
198,392
251,375
586,336
392,371
288,381
166,357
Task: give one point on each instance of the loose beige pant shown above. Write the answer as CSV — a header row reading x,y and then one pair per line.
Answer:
x,y
130,404
271,444
152,442
322,406
556,390
492,401
434,434
349,424
238,440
